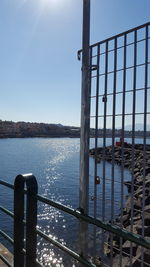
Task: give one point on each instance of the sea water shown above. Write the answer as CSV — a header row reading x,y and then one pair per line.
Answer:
x,y
55,163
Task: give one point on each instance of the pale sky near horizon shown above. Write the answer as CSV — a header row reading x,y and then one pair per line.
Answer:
x,y
40,76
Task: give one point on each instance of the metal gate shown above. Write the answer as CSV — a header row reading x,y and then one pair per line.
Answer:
x,y
120,144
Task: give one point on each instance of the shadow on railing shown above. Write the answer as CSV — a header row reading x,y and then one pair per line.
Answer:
x,y
25,227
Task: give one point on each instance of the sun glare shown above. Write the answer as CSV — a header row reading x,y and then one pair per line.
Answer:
x,y
47,6
54,5
50,2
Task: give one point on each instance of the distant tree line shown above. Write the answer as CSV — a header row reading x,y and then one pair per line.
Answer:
x,y
10,129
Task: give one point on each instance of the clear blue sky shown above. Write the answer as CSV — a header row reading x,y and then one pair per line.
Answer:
x,y
40,77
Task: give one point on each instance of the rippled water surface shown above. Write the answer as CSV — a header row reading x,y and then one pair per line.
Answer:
x,y
55,163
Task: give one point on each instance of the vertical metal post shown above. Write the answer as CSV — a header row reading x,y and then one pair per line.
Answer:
x,y
96,145
31,219
122,136
144,137
104,144
18,222
29,260
85,126
113,147
133,138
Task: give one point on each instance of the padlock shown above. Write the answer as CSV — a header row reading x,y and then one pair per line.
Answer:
x,y
97,180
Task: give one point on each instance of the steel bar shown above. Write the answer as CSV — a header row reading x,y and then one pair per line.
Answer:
x,y
7,237
144,138
6,184
70,252
85,127
121,34
120,92
119,47
104,141
113,143
11,214
122,136
99,223
5,260
118,70
126,114
18,221
133,139
63,209
31,220
96,145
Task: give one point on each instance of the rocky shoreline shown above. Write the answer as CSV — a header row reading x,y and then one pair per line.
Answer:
x,y
132,158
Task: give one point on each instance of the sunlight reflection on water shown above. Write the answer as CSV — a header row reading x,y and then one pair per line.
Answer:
x,y
53,222
60,185
55,163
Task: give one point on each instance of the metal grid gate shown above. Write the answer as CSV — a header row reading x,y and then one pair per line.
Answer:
x,y
120,132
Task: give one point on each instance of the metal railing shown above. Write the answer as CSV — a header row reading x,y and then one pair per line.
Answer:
x,y
25,226
120,89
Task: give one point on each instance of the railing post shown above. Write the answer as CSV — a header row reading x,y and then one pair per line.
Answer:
x,y
31,221
18,222
29,260
85,127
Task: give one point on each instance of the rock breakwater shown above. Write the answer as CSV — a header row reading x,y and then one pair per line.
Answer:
x,y
135,215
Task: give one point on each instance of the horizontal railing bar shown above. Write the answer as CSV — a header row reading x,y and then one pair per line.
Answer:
x,y
117,202
120,92
58,205
122,69
6,184
104,225
11,214
5,260
122,34
7,237
7,211
119,114
119,47
65,249
118,35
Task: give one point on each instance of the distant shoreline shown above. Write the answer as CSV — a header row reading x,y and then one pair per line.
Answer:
x,y
23,137
10,129
72,137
